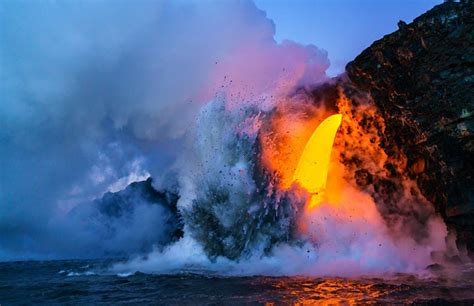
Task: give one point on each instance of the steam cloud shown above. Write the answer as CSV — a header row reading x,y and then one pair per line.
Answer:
x,y
96,97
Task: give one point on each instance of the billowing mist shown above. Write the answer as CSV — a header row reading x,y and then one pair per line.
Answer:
x,y
201,98
95,97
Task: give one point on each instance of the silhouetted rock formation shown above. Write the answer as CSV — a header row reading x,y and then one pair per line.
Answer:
x,y
421,78
130,221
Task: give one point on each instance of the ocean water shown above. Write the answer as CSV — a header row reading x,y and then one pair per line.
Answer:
x,y
86,282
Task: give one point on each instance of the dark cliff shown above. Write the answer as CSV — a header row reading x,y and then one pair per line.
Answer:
x,y
131,221
421,78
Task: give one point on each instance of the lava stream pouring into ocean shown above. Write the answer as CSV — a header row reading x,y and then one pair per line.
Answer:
x,y
313,167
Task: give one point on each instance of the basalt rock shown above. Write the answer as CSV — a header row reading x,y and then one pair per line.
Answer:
x,y
131,221
421,79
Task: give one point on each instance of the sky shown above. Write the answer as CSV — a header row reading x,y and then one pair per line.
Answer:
x,y
342,27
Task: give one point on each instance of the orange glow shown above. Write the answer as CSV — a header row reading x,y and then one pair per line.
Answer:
x,y
356,136
337,291
336,161
284,138
313,166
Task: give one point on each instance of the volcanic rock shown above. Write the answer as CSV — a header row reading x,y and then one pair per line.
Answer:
x,y
118,204
421,78
131,221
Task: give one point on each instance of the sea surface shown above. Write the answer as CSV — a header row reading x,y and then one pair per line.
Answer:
x,y
85,282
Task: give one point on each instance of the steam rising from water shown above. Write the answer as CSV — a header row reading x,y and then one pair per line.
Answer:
x,y
95,96
183,92
346,235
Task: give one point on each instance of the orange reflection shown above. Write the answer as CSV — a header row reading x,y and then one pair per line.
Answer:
x,y
336,291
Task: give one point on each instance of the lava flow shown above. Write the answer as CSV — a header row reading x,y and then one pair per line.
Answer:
x,y
297,148
313,166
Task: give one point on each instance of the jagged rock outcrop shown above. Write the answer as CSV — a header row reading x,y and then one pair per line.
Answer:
x,y
118,204
130,221
421,78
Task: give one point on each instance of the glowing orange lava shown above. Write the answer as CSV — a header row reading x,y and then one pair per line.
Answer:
x,y
285,136
313,166
300,148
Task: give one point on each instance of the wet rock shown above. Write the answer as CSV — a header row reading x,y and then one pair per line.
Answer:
x,y
131,221
435,268
421,78
118,204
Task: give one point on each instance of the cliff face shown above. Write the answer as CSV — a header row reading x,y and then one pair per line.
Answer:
x,y
421,78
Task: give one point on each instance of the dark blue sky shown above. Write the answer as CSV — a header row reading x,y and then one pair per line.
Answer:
x,y
342,27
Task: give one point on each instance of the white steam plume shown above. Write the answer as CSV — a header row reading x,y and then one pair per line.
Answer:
x,y
89,88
